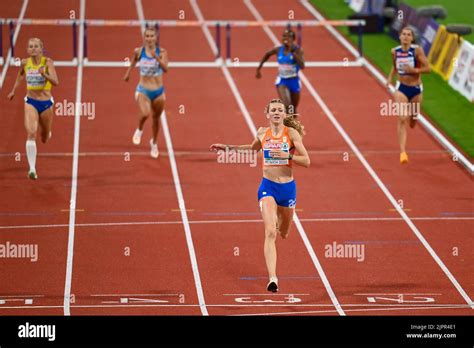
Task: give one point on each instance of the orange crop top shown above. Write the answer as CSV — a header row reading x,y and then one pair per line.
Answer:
x,y
283,143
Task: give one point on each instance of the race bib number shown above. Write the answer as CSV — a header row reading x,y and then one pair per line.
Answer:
x,y
149,67
35,79
269,160
287,70
405,61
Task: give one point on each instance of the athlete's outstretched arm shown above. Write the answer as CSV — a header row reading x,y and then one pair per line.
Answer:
x,y
264,59
256,144
19,77
132,64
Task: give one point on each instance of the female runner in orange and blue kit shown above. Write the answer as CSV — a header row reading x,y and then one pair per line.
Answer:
x,y
277,191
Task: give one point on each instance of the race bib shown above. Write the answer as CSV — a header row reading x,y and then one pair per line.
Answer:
x,y
405,61
268,160
34,78
287,70
149,67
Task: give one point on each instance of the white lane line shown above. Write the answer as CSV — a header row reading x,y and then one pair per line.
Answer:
x,y
388,293
207,33
27,296
266,294
253,131
297,221
75,166
144,223
142,295
383,307
179,194
316,64
381,78
141,14
233,87
184,216
351,310
230,81
206,64
15,36
120,64
374,176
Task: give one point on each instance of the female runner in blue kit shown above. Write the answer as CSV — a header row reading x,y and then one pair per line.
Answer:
x,y
290,61
409,62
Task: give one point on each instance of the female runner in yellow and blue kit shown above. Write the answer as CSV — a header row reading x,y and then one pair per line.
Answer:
x,y
277,191
150,92
40,77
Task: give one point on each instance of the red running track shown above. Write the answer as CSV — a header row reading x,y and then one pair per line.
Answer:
x,y
131,254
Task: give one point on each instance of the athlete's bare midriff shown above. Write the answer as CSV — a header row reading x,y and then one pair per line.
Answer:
x,y
38,94
279,173
410,79
151,82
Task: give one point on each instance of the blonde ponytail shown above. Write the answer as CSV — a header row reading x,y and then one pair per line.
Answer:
x,y
292,122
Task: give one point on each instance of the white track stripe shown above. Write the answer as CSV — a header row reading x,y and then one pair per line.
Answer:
x,y
75,166
379,182
118,64
367,307
238,98
206,64
253,130
423,120
207,33
141,14
15,36
144,223
179,194
184,216
352,310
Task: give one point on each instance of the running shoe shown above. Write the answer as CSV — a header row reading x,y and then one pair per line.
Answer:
x,y
273,284
137,137
154,149
403,158
32,174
